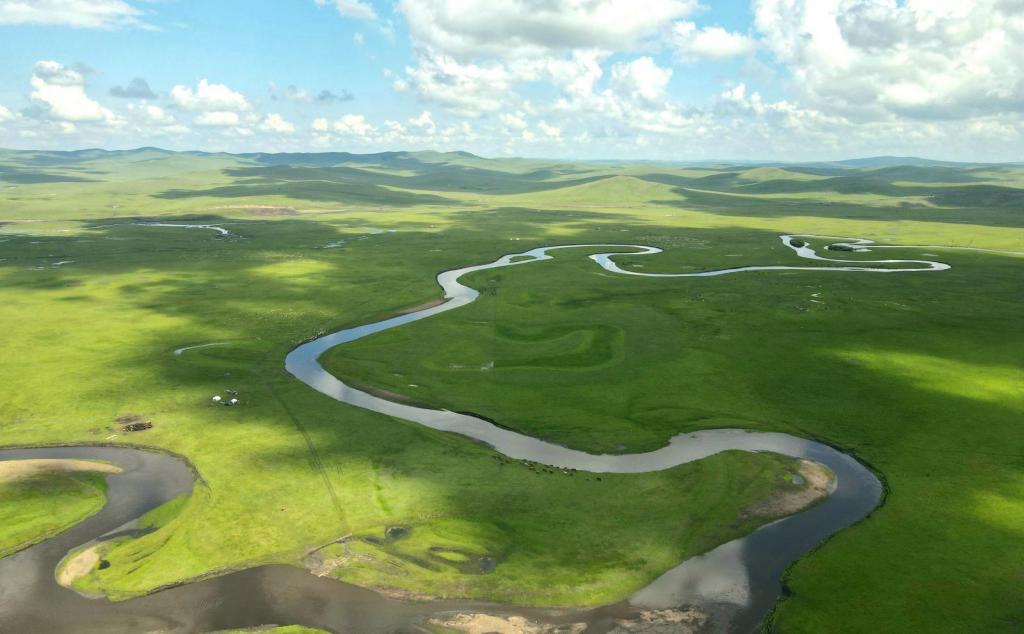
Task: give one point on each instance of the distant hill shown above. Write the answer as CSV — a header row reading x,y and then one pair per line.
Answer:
x,y
398,159
891,161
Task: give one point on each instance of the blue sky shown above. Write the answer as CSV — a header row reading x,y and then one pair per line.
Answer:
x,y
662,79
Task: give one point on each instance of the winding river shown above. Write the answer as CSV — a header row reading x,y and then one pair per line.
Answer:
x,y
739,581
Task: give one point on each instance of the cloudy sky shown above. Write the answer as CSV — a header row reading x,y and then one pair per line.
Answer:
x,y
650,79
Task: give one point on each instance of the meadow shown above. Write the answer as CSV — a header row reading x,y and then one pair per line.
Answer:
x,y
39,505
918,375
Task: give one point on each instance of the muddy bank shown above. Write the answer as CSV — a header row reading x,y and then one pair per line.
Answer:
x,y
813,484
646,622
15,469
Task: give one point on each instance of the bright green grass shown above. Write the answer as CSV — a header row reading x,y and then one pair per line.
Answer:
x,y
39,506
918,373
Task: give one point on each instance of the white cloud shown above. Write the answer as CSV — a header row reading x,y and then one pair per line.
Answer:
x,y
513,121
60,92
514,28
641,80
351,125
424,122
466,88
296,94
358,9
154,114
920,59
217,118
87,14
209,97
277,123
692,42
5,114
472,55
143,120
550,131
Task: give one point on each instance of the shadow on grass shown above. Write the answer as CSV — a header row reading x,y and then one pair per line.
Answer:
x,y
731,194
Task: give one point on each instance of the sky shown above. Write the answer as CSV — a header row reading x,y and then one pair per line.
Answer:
x,y
791,80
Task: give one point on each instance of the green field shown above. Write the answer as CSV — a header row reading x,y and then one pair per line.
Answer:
x,y
41,505
920,374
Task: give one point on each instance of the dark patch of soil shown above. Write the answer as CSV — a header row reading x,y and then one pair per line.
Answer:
x,y
140,426
397,532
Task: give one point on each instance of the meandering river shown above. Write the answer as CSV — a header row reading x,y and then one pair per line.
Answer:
x,y
738,581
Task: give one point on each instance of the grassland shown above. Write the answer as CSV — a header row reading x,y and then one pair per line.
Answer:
x,y
920,374
40,505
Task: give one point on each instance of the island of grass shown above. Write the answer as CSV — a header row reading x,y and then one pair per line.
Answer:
x,y
41,498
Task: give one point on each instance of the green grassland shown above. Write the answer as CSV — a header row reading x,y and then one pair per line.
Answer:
x,y
919,374
41,505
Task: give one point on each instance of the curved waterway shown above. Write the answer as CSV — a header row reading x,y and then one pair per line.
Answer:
x,y
738,582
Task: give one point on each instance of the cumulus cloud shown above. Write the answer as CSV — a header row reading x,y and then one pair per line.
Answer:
x,y
277,123
5,114
86,14
358,9
920,59
513,120
472,54
209,97
422,131
641,80
301,95
137,88
512,28
466,88
59,92
157,114
550,131
218,118
423,122
354,125
144,119
692,42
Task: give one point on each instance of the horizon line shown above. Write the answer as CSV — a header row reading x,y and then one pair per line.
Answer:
x,y
466,153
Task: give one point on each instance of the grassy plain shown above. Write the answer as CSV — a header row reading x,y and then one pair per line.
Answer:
x,y
919,374
41,505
